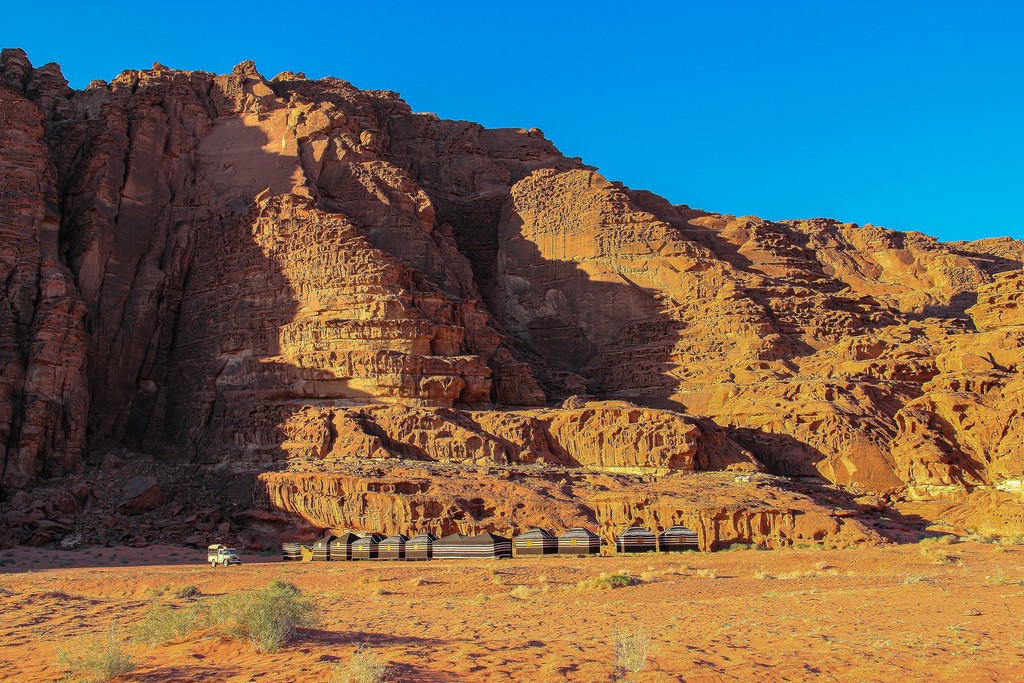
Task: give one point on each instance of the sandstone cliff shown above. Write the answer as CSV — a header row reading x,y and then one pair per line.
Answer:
x,y
288,275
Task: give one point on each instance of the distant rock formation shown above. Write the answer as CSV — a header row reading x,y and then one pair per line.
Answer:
x,y
297,275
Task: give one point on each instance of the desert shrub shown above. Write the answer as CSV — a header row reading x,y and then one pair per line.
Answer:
x,y
743,546
521,592
945,539
363,667
6,590
161,624
631,650
607,581
938,555
914,579
809,546
284,587
157,591
95,659
710,573
189,591
266,618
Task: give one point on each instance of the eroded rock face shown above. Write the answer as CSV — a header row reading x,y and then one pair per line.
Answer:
x,y
298,275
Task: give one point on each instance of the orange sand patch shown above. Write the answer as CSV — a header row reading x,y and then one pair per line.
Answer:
x,y
872,614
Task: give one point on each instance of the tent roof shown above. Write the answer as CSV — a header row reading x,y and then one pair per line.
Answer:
x,y
395,538
347,537
481,539
636,531
537,533
369,538
579,532
424,537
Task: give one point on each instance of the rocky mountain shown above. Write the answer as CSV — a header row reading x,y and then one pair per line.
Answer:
x,y
364,316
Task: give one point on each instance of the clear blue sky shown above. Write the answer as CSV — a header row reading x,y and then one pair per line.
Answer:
x,y
903,114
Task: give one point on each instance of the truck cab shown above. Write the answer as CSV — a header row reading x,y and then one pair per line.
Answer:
x,y
220,554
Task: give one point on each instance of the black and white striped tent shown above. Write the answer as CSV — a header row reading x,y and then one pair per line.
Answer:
x,y
677,538
536,542
636,539
392,547
322,548
341,547
420,547
366,548
579,541
484,546
291,552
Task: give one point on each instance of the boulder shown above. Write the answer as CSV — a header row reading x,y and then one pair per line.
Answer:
x,y
140,494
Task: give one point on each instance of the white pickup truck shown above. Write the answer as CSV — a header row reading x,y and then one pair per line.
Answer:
x,y
222,555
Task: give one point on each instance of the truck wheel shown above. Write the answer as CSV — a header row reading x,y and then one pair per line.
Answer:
x,y
213,564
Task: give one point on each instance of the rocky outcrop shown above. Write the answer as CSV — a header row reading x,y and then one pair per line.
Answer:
x,y
44,402
723,509
299,277
966,429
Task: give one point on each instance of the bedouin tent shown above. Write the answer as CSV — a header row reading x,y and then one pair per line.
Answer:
x,y
291,552
341,547
483,546
366,547
579,541
636,539
420,547
392,547
536,542
322,548
677,538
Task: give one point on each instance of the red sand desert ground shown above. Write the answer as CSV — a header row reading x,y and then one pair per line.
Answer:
x,y
907,613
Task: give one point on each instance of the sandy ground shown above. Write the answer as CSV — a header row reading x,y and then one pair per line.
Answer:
x,y
871,614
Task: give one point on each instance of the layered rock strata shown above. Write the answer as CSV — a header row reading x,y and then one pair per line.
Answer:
x,y
295,275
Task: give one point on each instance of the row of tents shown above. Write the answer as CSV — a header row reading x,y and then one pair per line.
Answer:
x,y
578,541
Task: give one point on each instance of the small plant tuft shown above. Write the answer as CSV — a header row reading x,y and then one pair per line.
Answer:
x,y
363,667
184,592
95,659
607,581
161,624
939,555
631,650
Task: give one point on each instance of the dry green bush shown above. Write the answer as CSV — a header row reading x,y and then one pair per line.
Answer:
x,y
945,539
363,667
162,624
938,555
95,659
266,618
608,581
188,591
